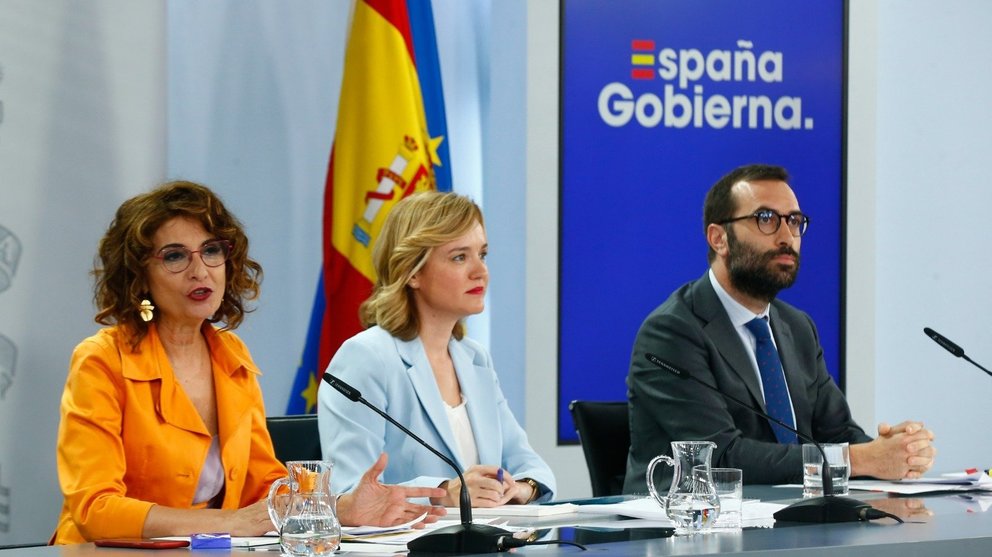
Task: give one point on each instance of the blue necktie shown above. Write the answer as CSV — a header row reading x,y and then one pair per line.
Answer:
x,y
772,379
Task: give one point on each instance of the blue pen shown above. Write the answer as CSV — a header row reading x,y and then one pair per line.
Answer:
x,y
499,475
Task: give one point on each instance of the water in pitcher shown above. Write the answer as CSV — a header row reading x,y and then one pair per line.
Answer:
x,y
311,535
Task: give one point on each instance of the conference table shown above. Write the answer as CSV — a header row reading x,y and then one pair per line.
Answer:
x,y
946,524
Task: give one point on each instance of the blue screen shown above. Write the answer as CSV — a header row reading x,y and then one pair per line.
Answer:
x,y
659,99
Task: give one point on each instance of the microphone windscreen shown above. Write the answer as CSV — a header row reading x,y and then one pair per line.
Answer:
x,y
944,341
342,387
666,366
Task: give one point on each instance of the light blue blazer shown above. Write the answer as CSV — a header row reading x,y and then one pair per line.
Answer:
x,y
395,376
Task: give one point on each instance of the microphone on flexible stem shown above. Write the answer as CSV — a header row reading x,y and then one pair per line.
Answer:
x,y
829,508
459,539
951,347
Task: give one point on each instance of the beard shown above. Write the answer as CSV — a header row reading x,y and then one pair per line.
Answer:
x,y
753,273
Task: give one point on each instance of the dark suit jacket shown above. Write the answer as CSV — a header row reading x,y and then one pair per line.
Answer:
x,y
693,331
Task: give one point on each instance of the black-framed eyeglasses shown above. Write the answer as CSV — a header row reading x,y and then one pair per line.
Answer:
x,y
177,259
769,221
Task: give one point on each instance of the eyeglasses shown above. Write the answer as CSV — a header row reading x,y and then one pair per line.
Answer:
x,y
769,221
177,259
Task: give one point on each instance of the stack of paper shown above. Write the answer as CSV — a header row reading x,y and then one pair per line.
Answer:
x,y
955,481
395,537
535,511
754,513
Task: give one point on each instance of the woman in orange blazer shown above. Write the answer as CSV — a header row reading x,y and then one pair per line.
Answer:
x,y
162,427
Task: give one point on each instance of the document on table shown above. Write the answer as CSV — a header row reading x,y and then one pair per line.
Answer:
x,y
754,513
955,481
359,531
348,533
368,548
403,537
535,511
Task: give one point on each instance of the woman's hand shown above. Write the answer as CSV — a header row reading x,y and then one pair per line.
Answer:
x,y
252,520
376,504
525,493
483,486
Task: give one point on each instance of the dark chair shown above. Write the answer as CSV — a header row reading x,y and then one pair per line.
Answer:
x,y
604,432
294,437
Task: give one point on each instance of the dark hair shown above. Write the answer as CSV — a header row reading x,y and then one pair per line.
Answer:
x,y
120,271
720,204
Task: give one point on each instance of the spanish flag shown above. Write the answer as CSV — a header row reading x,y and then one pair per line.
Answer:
x,y
389,143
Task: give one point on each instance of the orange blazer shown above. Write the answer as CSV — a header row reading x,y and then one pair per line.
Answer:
x,y
130,438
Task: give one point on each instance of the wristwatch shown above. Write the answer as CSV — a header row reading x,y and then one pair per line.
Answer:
x,y
536,488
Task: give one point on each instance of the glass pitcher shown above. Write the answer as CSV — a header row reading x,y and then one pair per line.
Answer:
x,y
302,507
692,502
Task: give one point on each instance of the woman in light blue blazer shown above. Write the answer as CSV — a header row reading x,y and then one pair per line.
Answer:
x,y
415,363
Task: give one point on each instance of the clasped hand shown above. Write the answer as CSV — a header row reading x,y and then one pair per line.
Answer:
x,y
900,451
485,488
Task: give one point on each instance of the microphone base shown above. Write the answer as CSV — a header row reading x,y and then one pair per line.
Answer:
x,y
824,509
459,539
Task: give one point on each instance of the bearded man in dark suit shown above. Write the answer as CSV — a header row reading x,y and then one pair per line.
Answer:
x,y
754,227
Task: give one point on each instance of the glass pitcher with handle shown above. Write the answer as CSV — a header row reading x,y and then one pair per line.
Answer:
x,y
692,502
303,509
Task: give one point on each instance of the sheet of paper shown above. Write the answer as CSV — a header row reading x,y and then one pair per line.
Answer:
x,y
911,488
404,537
366,548
357,531
980,479
754,513
520,510
347,532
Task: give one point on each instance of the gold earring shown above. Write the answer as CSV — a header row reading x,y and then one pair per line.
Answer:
x,y
145,309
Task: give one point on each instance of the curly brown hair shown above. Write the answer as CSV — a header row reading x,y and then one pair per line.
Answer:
x,y
120,270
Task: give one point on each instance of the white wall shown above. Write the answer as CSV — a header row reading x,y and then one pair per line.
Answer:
x,y
860,262
81,128
919,128
932,206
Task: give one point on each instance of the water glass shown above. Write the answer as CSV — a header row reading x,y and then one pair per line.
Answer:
x,y
839,459
729,485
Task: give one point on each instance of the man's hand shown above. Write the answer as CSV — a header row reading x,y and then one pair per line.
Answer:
x,y
900,451
376,504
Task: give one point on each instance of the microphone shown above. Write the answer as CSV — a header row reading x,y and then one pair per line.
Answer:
x,y
829,508
459,539
951,347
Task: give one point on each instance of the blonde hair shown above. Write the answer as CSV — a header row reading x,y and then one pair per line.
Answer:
x,y
414,227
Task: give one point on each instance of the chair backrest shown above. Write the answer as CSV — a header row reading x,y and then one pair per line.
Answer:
x,y
604,432
294,437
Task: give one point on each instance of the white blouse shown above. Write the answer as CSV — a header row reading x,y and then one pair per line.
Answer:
x,y
211,480
462,428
